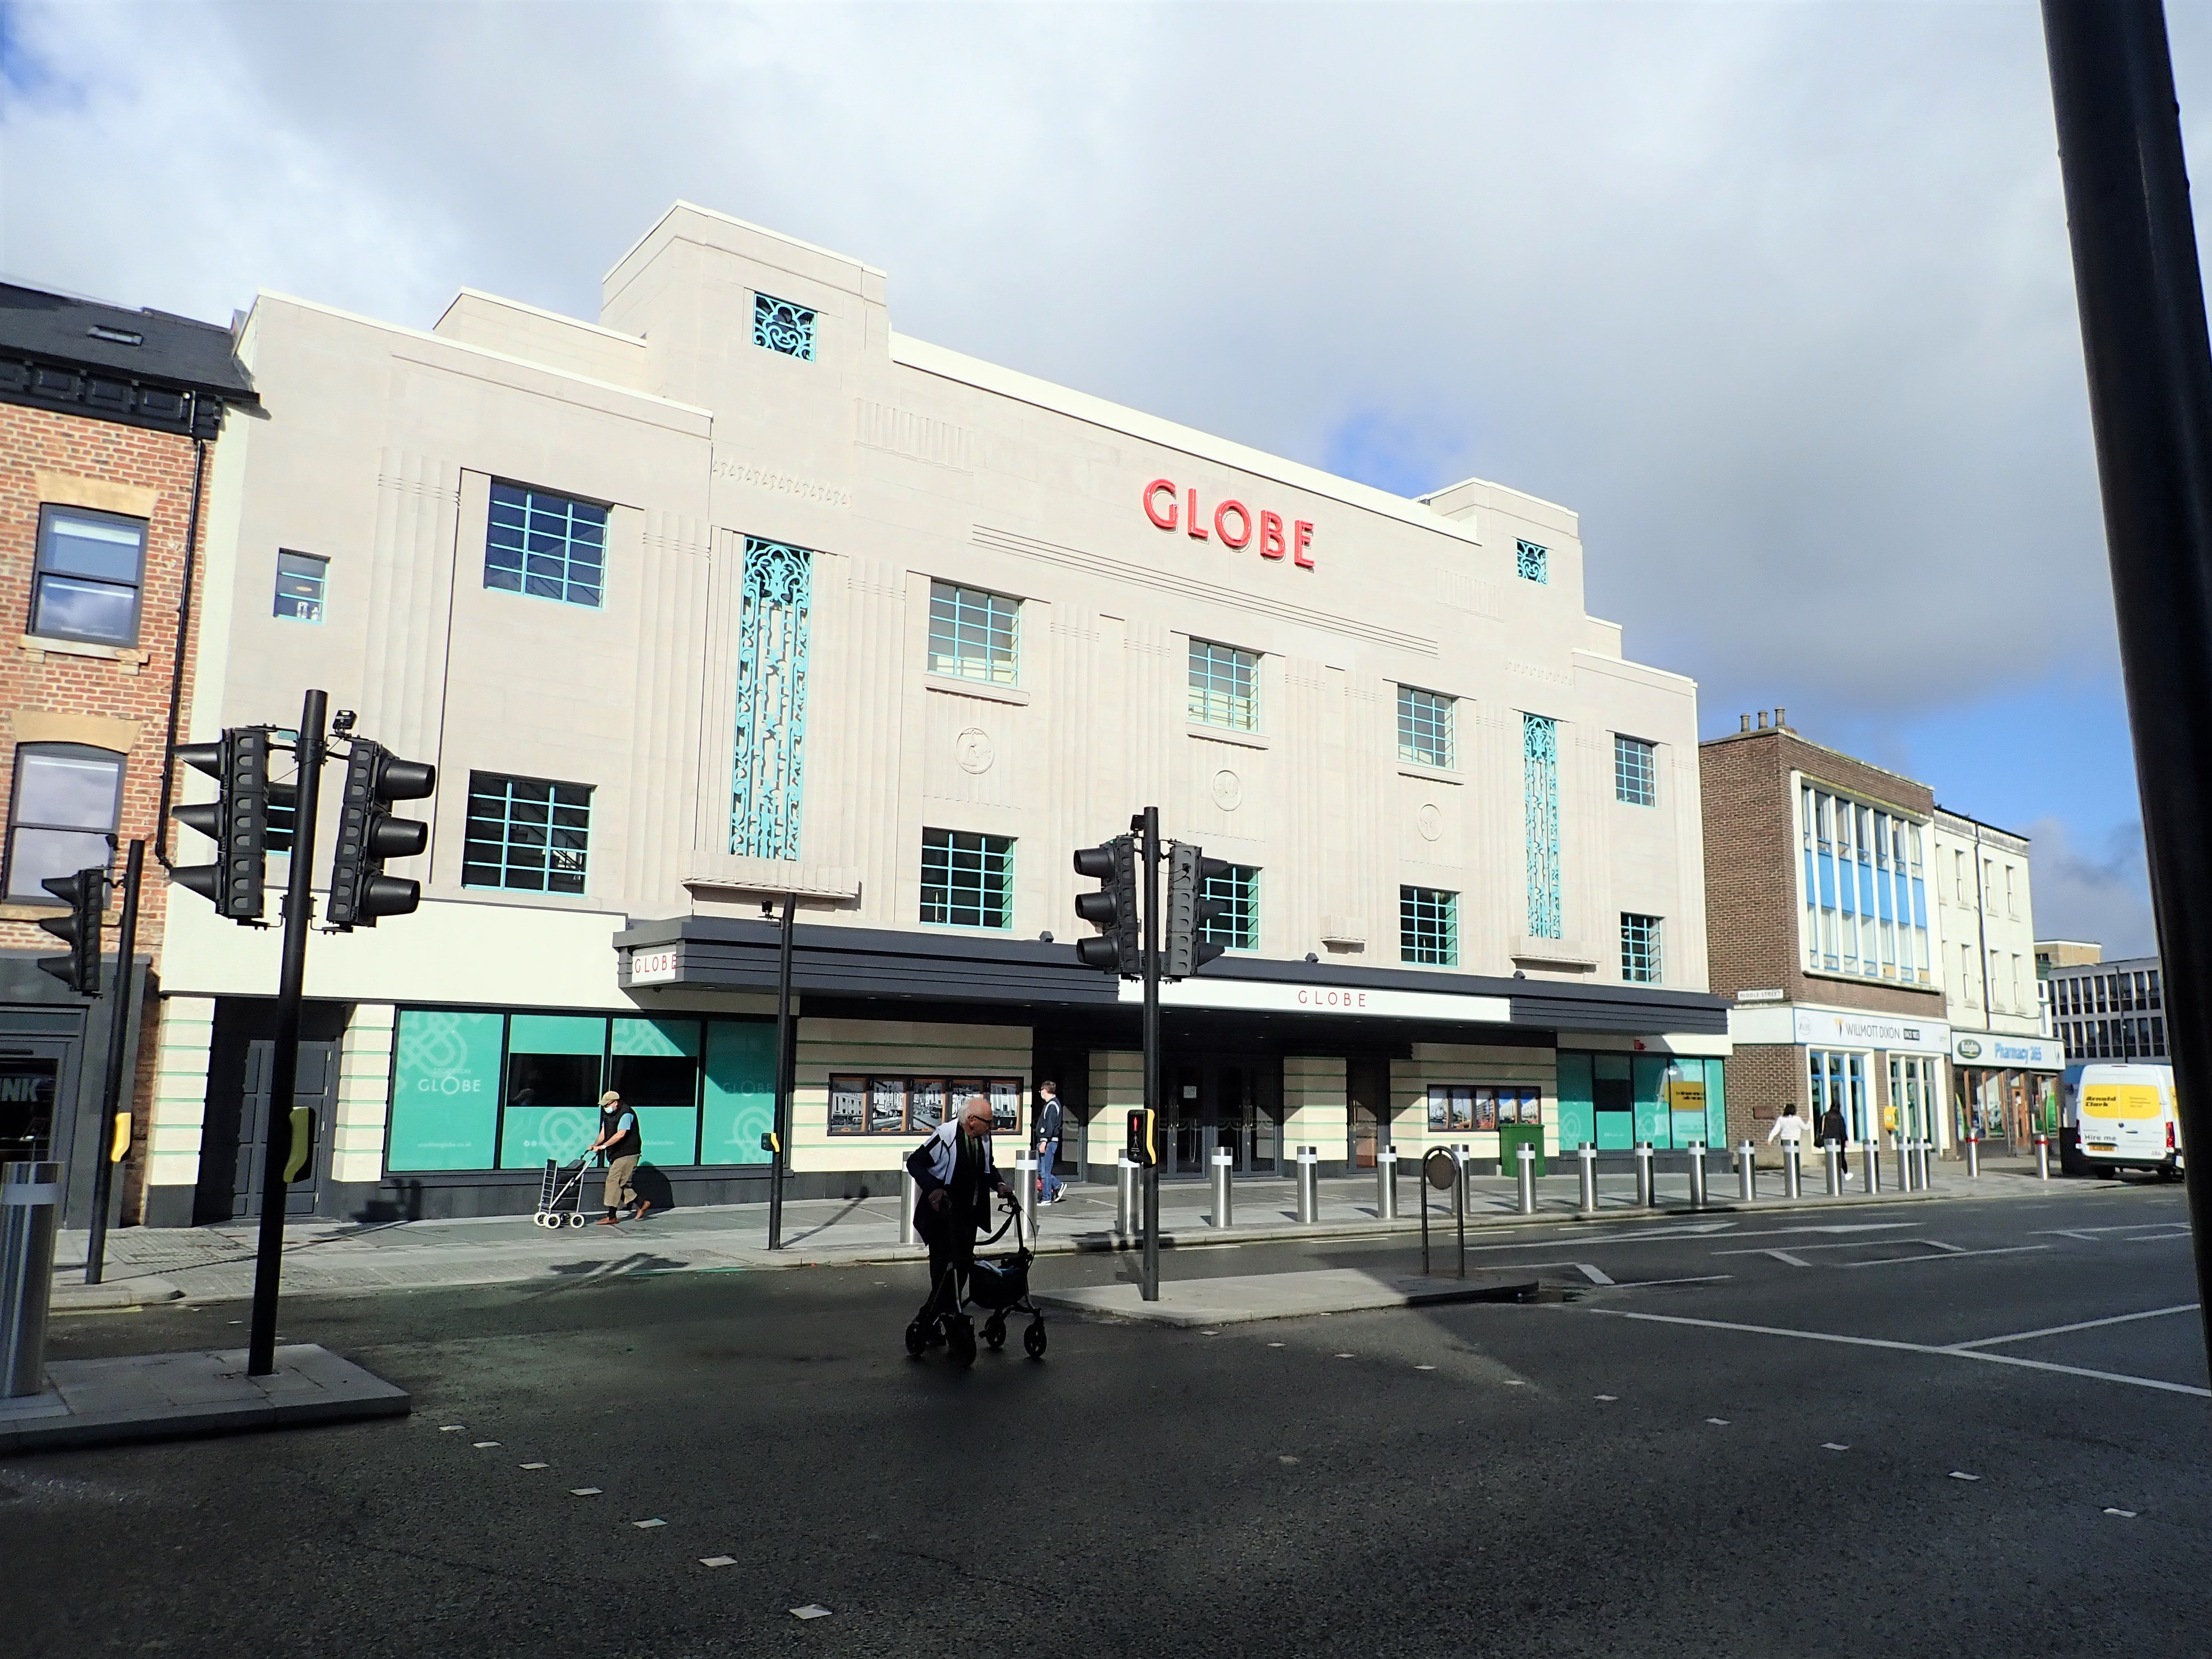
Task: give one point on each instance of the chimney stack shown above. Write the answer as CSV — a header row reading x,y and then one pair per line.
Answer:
x,y
1745,726
1762,719
1781,717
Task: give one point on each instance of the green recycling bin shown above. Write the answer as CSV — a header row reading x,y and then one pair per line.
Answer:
x,y
1512,1138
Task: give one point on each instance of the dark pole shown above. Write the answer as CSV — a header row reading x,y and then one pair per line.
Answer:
x,y
775,1159
119,1008
284,1056
2150,404
1155,1097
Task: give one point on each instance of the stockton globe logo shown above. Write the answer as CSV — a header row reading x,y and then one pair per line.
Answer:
x,y
436,1051
1235,526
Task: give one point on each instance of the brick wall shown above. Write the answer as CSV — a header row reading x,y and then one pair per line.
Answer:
x,y
50,693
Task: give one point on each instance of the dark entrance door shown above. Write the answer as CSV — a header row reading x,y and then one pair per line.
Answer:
x,y
1367,1083
1613,1098
313,1098
1233,1104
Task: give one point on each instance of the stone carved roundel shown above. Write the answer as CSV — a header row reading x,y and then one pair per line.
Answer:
x,y
1228,790
1431,820
973,749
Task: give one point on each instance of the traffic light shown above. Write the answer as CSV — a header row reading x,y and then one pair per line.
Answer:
x,y
1144,1137
236,820
1119,948
1186,948
85,895
368,834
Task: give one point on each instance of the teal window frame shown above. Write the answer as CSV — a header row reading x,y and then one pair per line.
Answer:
x,y
302,584
545,546
520,828
1635,771
1532,563
1424,727
967,879
1225,685
1643,958
1239,891
1428,927
974,634
784,326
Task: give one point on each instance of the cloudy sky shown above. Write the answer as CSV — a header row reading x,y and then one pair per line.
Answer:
x,y
1776,295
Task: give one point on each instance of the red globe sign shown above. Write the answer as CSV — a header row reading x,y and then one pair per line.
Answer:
x,y
1234,525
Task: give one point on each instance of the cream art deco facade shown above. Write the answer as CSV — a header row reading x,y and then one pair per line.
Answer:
x,y
736,593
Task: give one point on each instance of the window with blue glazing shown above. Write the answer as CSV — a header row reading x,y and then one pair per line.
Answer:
x,y
967,880
1531,563
1424,727
973,634
527,834
1225,686
86,583
548,546
768,769
1237,926
782,326
1865,909
1640,963
1428,927
1539,780
301,579
1635,772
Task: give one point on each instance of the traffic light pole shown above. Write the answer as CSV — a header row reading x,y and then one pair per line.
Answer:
x,y
284,1059
782,1075
111,1095
1154,1095
2143,336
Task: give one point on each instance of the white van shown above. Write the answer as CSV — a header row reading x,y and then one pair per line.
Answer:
x,y
2126,1119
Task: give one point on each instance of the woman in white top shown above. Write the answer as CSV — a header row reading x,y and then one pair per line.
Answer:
x,y
1789,1128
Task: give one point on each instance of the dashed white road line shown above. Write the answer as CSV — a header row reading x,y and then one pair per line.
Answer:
x,y
2080,1325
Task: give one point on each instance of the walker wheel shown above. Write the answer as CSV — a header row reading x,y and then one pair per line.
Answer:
x,y
1033,1339
916,1339
994,1332
538,1220
576,1220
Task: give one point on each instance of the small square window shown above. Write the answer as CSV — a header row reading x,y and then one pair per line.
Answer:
x,y
780,325
973,634
548,546
90,565
301,579
1640,962
1635,772
527,834
1237,891
1424,727
1531,563
967,880
1428,927
1225,686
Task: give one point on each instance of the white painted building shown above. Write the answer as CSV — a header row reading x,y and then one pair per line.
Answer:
x,y
2005,1056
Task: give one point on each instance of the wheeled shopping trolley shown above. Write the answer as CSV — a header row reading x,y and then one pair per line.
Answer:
x,y
998,1285
560,1197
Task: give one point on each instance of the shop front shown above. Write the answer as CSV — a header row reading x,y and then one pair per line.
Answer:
x,y
2004,1090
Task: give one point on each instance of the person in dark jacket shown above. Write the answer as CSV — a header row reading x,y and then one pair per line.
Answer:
x,y
620,1140
956,1174
1832,1129
1046,1140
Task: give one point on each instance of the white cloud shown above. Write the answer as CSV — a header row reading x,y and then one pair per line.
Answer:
x,y
2099,893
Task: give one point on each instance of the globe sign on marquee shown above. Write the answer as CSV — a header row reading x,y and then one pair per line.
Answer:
x,y
1234,524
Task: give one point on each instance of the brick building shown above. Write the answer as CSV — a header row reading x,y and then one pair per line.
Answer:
x,y
106,416
1821,932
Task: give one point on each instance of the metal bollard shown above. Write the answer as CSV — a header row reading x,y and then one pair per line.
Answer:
x,y
1225,1164
910,1196
1025,1184
1793,1178
1386,1185
30,1205
1921,1161
1835,1151
1646,1197
1126,1176
1697,1174
1747,1172
1525,1156
2042,1158
1903,1167
1309,1186
1587,1156
1870,1166
1973,1157
1463,1161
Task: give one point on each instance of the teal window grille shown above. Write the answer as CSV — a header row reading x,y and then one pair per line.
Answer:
x,y
781,325
1237,927
1640,963
527,834
768,775
301,579
1635,772
1428,927
1531,563
1225,686
1539,772
967,880
972,636
1424,727
548,546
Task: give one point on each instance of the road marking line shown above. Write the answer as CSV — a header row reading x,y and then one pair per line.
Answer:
x,y
443,1428
1596,1275
1961,1474
1702,1279
2081,1325
1605,1396
1956,1253
1347,1356
536,1465
485,1445
1908,1347
717,1560
1830,1445
584,1491
2156,1238
649,1523
812,1610
2125,1515
1718,1422
1424,1367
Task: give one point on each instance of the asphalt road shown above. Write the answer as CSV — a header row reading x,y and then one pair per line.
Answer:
x,y
1617,1469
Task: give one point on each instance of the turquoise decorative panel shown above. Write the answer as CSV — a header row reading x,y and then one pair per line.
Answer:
x,y
1652,1118
1540,768
558,1034
530,1134
1578,1114
445,1090
740,1091
671,1133
667,1039
769,769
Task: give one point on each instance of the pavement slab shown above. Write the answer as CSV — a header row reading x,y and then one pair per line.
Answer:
x,y
1247,1297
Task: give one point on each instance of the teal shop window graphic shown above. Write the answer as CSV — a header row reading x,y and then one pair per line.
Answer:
x,y
445,1090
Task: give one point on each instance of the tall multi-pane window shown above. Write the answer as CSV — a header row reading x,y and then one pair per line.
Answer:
x,y
1531,563
527,834
1428,926
1635,771
1237,927
548,546
1640,963
1225,686
1424,726
301,579
973,634
783,326
62,811
967,880
1865,899
89,567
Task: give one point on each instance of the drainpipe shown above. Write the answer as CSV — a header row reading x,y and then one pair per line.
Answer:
x,y
177,668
